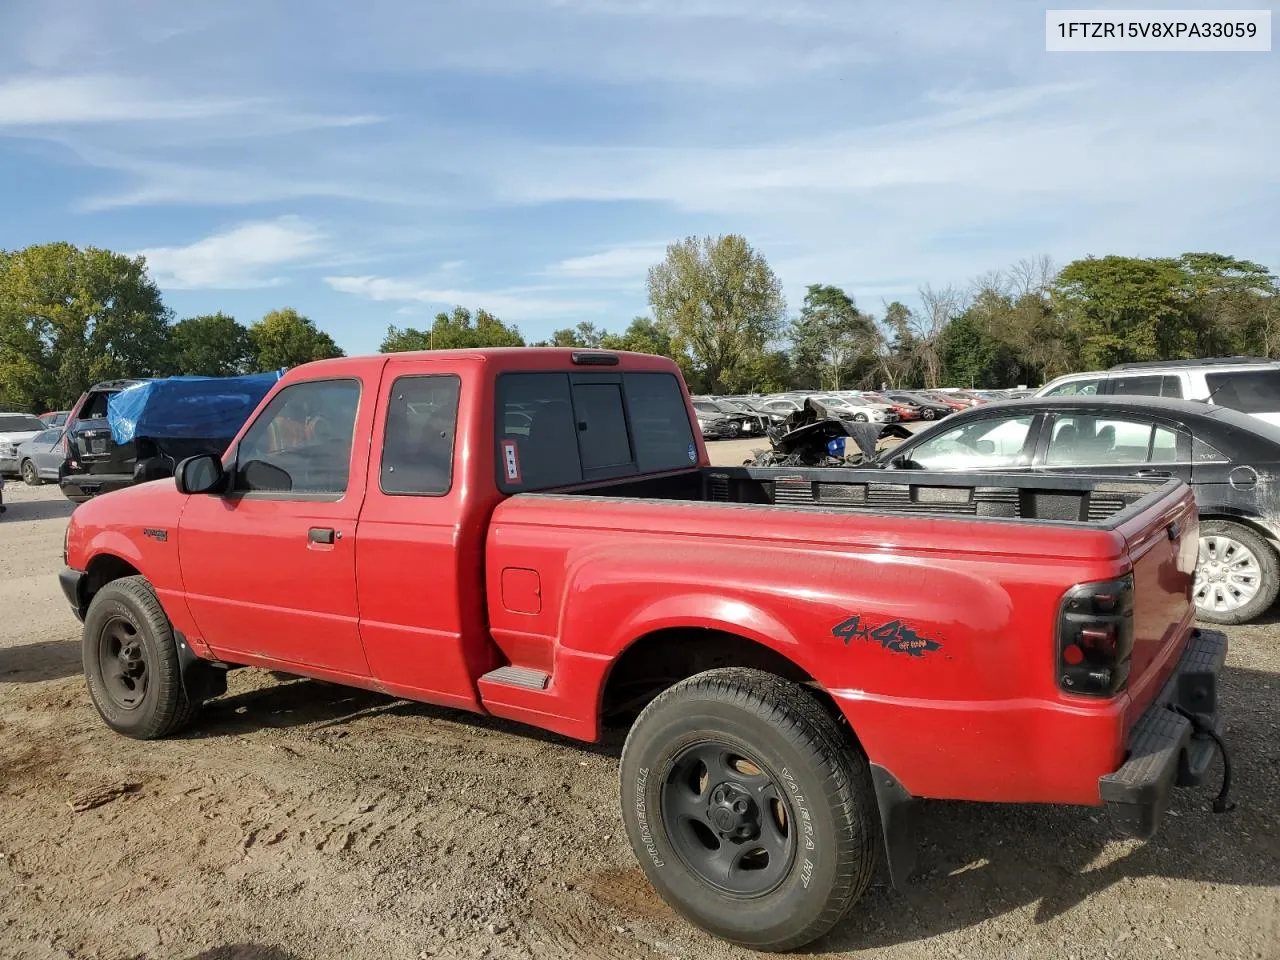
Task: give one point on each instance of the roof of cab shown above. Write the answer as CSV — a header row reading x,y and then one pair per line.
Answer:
x,y
520,358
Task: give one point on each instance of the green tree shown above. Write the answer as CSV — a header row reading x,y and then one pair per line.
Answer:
x,y
643,335
285,338
585,335
1127,309
69,317
455,330
831,338
213,345
720,302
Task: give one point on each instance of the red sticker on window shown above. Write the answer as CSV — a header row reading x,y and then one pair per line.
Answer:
x,y
511,461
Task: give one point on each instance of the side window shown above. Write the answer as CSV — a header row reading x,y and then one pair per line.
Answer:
x,y
1139,386
1164,446
301,443
602,425
48,436
1249,391
1075,388
985,445
417,447
1172,387
1089,440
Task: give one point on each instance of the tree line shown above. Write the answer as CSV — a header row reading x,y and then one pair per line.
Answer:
x,y
70,317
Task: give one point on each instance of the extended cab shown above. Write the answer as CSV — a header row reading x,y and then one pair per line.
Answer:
x,y
799,652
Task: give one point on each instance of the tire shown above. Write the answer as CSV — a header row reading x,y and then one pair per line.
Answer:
x,y
1230,552
30,475
125,625
749,720
859,418
928,414
734,429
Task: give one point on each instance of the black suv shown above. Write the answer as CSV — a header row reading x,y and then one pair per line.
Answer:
x,y
95,462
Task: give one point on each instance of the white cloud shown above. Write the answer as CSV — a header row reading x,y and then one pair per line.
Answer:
x,y
241,258
625,262
33,101
512,304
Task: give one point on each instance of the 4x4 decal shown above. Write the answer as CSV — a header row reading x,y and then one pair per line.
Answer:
x,y
894,636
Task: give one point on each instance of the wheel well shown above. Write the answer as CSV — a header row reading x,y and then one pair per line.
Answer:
x,y
1250,523
665,657
102,570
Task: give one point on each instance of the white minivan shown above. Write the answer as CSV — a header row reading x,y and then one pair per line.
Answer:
x,y
1250,385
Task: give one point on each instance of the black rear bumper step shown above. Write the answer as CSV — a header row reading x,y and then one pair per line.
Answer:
x,y
1164,748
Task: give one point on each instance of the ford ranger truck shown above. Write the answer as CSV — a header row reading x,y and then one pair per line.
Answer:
x,y
799,654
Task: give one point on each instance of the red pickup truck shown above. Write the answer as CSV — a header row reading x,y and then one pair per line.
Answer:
x,y
799,653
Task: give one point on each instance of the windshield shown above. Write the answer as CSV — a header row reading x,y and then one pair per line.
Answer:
x,y
19,423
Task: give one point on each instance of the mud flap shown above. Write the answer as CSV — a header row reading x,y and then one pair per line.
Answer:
x,y
201,680
897,824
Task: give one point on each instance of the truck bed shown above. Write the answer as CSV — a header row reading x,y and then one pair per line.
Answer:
x,y
1077,500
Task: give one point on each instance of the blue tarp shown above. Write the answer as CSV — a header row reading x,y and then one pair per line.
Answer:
x,y
205,408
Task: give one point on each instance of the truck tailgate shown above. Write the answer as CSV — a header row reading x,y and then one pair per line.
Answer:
x,y
1163,545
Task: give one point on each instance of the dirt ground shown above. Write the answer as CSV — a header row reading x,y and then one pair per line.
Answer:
x,y
301,820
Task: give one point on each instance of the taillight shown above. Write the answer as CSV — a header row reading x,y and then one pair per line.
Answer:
x,y
1095,637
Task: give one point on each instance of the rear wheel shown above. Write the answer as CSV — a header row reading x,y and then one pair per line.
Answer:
x,y
734,429
30,475
749,812
131,662
1237,576
928,414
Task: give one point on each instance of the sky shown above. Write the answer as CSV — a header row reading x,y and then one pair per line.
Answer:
x,y
374,163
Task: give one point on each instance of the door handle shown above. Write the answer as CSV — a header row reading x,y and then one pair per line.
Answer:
x,y
323,535
1152,473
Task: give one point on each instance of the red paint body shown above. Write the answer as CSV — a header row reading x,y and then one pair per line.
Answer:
x,y
422,595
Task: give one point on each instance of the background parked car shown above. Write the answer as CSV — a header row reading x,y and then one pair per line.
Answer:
x,y
740,420
41,458
1226,456
857,409
15,429
55,418
905,409
1248,384
930,409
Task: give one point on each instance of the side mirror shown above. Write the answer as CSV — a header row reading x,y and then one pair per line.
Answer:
x,y
200,474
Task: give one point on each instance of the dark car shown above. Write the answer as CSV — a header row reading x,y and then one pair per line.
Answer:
x,y
95,463
1226,456
930,409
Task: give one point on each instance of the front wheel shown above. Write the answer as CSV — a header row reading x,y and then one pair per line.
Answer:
x,y
1237,575
131,662
928,414
30,475
748,811
859,418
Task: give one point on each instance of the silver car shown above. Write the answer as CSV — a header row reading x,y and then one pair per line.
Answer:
x,y
40,459
16,429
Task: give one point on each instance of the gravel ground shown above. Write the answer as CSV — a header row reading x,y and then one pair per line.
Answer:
x,y
303,820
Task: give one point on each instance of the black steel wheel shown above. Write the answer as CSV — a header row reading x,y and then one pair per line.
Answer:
x,y
131,666
728,819
122,662
30,475
750,812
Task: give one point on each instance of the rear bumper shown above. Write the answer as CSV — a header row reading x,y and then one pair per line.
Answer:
x,y
82,486
1163,749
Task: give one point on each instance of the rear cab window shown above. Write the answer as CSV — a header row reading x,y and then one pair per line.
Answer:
x,y
559,429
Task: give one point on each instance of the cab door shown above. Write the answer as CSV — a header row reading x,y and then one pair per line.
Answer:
x,y
269,565
420,556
